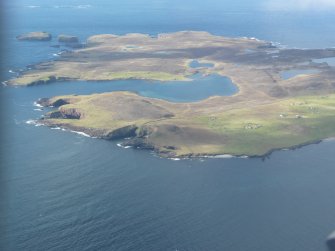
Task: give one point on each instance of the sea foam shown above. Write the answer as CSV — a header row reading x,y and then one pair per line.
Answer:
x,y
33,122
122,146
37,104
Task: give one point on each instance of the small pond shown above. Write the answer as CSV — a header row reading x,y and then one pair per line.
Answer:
x,y
293,73
197,64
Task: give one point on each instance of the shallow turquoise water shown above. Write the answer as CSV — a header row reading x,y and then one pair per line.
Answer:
x,y
63,191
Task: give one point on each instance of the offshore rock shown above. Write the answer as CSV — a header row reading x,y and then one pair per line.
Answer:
x,y
67,39
35,36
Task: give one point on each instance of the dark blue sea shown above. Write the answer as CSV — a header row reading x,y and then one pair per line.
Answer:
x,y
62,191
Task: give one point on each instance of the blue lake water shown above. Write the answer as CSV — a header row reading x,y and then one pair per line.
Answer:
x,y
293,73
197,88
197,64
63,191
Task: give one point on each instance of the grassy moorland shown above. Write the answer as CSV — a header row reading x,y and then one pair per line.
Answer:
x,y
283,124
252,131
48,77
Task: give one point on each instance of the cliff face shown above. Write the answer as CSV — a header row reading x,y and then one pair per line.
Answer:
x,y
35,36
69,113
46,102
121,133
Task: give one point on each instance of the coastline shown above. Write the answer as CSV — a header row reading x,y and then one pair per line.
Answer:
x,y
224,155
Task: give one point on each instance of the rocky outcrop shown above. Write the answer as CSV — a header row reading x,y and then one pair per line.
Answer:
x,y
121,133
59,102
67,39
70,41
35,36
46,102
43,102
331,242
69,113
140,143
144,131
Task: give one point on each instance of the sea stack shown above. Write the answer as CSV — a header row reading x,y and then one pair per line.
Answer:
x,y
331,242
35,36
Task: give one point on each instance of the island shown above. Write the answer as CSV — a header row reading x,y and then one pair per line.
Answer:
x,y
285,99
67,39
35,36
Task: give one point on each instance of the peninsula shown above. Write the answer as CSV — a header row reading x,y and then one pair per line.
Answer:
x,y
270,111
